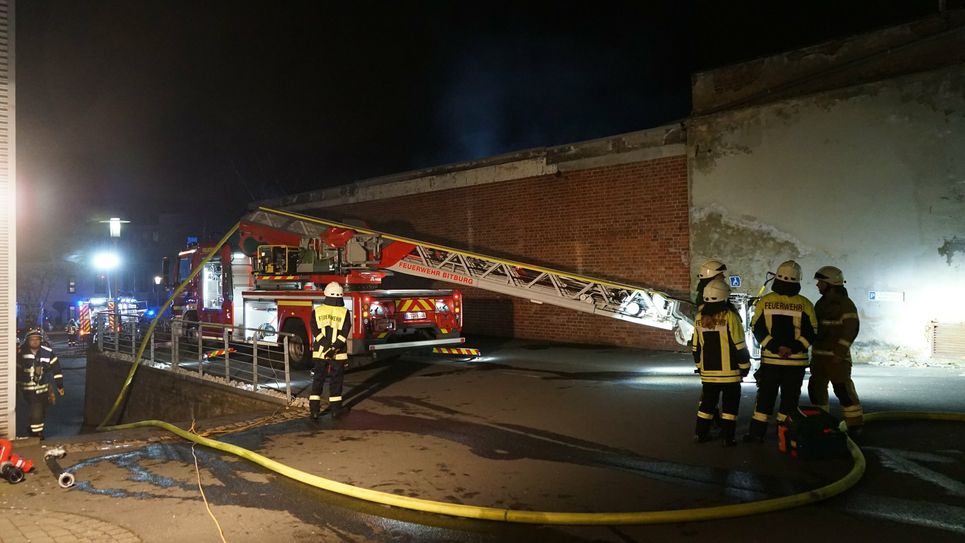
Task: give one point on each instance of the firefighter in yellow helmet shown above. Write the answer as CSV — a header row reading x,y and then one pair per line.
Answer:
x,y
38,368
784,325
722,361
831,356
331,324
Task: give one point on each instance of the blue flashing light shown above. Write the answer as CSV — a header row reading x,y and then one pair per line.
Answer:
x,y
151,313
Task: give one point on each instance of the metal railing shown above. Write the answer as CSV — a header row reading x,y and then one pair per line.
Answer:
x,y
210,350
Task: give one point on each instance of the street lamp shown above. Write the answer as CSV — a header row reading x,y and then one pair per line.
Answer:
x,y
157,290
106,261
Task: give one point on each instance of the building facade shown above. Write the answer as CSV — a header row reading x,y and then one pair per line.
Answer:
x,y
8,223
847,153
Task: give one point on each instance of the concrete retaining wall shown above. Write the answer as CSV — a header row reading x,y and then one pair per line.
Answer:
x,y
161,394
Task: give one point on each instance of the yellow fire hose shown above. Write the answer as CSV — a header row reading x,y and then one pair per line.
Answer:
x,y
558,517
510,515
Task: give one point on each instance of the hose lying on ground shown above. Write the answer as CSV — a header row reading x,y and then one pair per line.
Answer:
x,y
64,478
559,517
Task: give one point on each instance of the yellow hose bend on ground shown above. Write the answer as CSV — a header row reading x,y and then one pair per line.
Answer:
x,y
559,517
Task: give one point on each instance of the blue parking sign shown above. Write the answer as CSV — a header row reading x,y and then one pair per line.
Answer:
x,y
735,281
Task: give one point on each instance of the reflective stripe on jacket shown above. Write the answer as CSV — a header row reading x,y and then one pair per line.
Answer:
x,y
784,321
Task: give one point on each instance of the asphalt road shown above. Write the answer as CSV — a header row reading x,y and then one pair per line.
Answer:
x,y
542,427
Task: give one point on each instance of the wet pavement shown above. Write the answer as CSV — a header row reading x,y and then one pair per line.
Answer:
x,y
530,426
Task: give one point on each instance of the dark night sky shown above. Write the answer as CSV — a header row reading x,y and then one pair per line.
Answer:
x,y
133,107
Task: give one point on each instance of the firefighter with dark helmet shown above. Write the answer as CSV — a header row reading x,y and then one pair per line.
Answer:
x,y
784,325
831,356
331,323
37,367
707,272
722,361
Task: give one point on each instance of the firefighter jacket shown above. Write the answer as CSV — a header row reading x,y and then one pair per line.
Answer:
x,y
837,324
331,324
719,348
784,321
35,370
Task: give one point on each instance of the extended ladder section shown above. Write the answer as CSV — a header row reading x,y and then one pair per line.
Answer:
x,y
635,304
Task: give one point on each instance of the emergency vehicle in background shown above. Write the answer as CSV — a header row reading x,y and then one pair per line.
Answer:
x,y
273,276
270,280
90,313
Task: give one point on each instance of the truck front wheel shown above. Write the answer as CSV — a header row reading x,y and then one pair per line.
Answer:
x,y
299,353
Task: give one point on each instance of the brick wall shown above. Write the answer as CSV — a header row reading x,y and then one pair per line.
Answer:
x,y
627,223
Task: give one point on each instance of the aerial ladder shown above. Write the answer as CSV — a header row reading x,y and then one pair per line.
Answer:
x,y
367,248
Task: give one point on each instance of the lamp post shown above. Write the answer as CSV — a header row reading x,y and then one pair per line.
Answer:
x,y
114,227
157,290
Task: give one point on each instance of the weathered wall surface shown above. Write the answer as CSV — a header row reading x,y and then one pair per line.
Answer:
x,y
161,394
869,178
592,215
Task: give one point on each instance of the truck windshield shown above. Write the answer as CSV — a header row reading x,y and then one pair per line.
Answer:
x,y
184,268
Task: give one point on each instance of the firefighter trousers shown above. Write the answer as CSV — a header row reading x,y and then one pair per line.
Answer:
x,y
771,379
730,394
36,407
837,371
324,368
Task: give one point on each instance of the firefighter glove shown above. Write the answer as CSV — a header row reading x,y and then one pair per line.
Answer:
x,y
60,391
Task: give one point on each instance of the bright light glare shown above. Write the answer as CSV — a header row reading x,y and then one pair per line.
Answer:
x,y
157,279
106,261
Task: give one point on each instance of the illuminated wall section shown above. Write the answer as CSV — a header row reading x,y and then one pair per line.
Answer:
x,y
869,178
8,223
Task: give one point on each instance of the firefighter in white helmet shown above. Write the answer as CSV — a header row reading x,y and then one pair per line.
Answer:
x,y
785,326
831,357
331,324
722,361
707,272
38,368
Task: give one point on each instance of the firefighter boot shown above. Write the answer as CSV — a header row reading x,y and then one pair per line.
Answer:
x,y
314,407
727,433
702,431
755,434
338,410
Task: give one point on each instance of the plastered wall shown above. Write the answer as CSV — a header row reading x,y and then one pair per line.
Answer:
x,y
870,179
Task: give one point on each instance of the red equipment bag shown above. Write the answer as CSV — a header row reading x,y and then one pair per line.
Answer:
x,y
812,434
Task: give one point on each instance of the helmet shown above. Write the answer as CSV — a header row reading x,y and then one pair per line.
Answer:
x,y
333,290
830,275
716,291
33,332
710,269
789,271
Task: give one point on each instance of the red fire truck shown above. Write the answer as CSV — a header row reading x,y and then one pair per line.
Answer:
x,y
270,279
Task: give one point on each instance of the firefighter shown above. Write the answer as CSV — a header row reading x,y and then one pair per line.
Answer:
x,y
722,360
72,329
708,271
831,356
37,366
784,325
331,324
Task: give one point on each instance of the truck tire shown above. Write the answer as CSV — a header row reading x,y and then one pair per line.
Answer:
x,y
299,353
